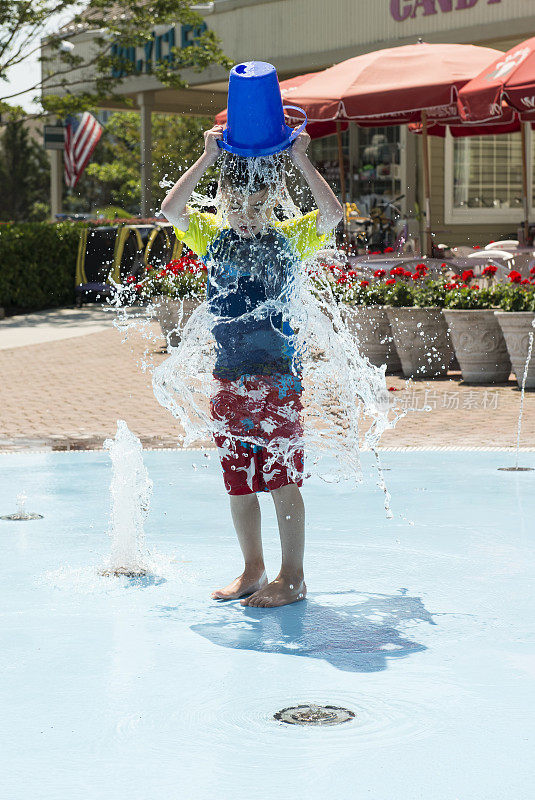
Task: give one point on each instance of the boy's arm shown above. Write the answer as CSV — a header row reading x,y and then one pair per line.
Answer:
x,y
330,211
174,205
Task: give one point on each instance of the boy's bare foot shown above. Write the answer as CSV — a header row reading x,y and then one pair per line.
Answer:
x,y
250,581
280,592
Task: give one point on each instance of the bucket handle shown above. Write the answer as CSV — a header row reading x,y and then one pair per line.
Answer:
x,y
297,131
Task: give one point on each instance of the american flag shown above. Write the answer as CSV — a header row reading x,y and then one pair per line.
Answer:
x,y
82,132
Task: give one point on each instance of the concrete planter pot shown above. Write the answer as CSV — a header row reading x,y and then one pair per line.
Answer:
x,y
371,327
479,345
516,327
422,341
173,315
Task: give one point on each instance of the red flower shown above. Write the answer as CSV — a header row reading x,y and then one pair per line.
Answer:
x,y
376,252
490,270
364,283
514,276
468,274
137,287
477,246
524,281
456,277
465,286
532,271
475,286
390,281
342,279
389,250
415,277
380,273
397,271
392,389
443,265
130,279
352,273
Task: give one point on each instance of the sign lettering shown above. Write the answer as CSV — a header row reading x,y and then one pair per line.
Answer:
x,y
158,49
400,10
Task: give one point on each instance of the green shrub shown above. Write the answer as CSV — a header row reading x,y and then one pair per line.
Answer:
x,y
430,293
357,294
472,298
37,264
400,294
516,297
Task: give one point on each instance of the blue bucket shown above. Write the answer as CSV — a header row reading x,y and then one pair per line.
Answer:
x,y
255,114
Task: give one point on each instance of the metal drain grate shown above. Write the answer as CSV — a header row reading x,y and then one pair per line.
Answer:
x,y
515,469
22,516
314,715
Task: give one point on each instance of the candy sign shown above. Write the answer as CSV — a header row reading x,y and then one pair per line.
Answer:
x,y
400,10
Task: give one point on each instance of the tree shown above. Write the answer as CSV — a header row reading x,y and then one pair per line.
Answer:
x,y
24,173
112,178
118,26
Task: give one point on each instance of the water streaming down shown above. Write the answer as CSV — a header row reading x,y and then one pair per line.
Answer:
x,y
524,378
131,490
342,403
516,468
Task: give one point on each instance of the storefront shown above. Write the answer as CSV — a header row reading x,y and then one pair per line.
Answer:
x,y
475,183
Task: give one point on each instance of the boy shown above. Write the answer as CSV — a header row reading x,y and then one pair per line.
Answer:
x,y
257,392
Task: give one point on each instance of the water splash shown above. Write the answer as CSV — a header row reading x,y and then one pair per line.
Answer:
x,y
131,490
345,403
524,378
21,513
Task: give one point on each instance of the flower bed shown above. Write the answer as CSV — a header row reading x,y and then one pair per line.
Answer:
x,y
412,301
174,291
183,278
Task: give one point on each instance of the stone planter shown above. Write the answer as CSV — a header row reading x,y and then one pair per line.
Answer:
x,y
516,327
479,345
422,341
173,315
370,325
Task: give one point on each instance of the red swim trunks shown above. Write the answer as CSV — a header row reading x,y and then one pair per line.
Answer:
x,y
258,432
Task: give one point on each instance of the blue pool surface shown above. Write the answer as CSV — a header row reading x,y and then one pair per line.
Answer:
x,y
116,688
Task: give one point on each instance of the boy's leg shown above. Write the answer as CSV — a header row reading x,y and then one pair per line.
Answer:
x,y
245,511
289,585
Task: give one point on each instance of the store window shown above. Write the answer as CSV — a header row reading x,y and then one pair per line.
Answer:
x,y
376,173
324,156
483,178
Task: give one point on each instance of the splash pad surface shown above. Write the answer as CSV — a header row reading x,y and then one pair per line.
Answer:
x,y
135,688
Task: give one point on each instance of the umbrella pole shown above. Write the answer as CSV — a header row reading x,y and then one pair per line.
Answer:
x,y
427,188
525,200
341,169
341,166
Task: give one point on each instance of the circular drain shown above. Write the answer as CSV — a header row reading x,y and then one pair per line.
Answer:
x,y
22,515
515,469
314,715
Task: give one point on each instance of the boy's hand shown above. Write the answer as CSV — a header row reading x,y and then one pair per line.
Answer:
x,y
298,148
211,148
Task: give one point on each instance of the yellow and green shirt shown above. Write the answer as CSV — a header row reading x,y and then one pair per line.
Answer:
x,y
249,281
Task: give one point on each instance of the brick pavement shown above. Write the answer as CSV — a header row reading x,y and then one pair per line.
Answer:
x,y
68,394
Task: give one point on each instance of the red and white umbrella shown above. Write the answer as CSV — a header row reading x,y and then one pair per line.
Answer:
x,y
509,79
399,85
393,86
